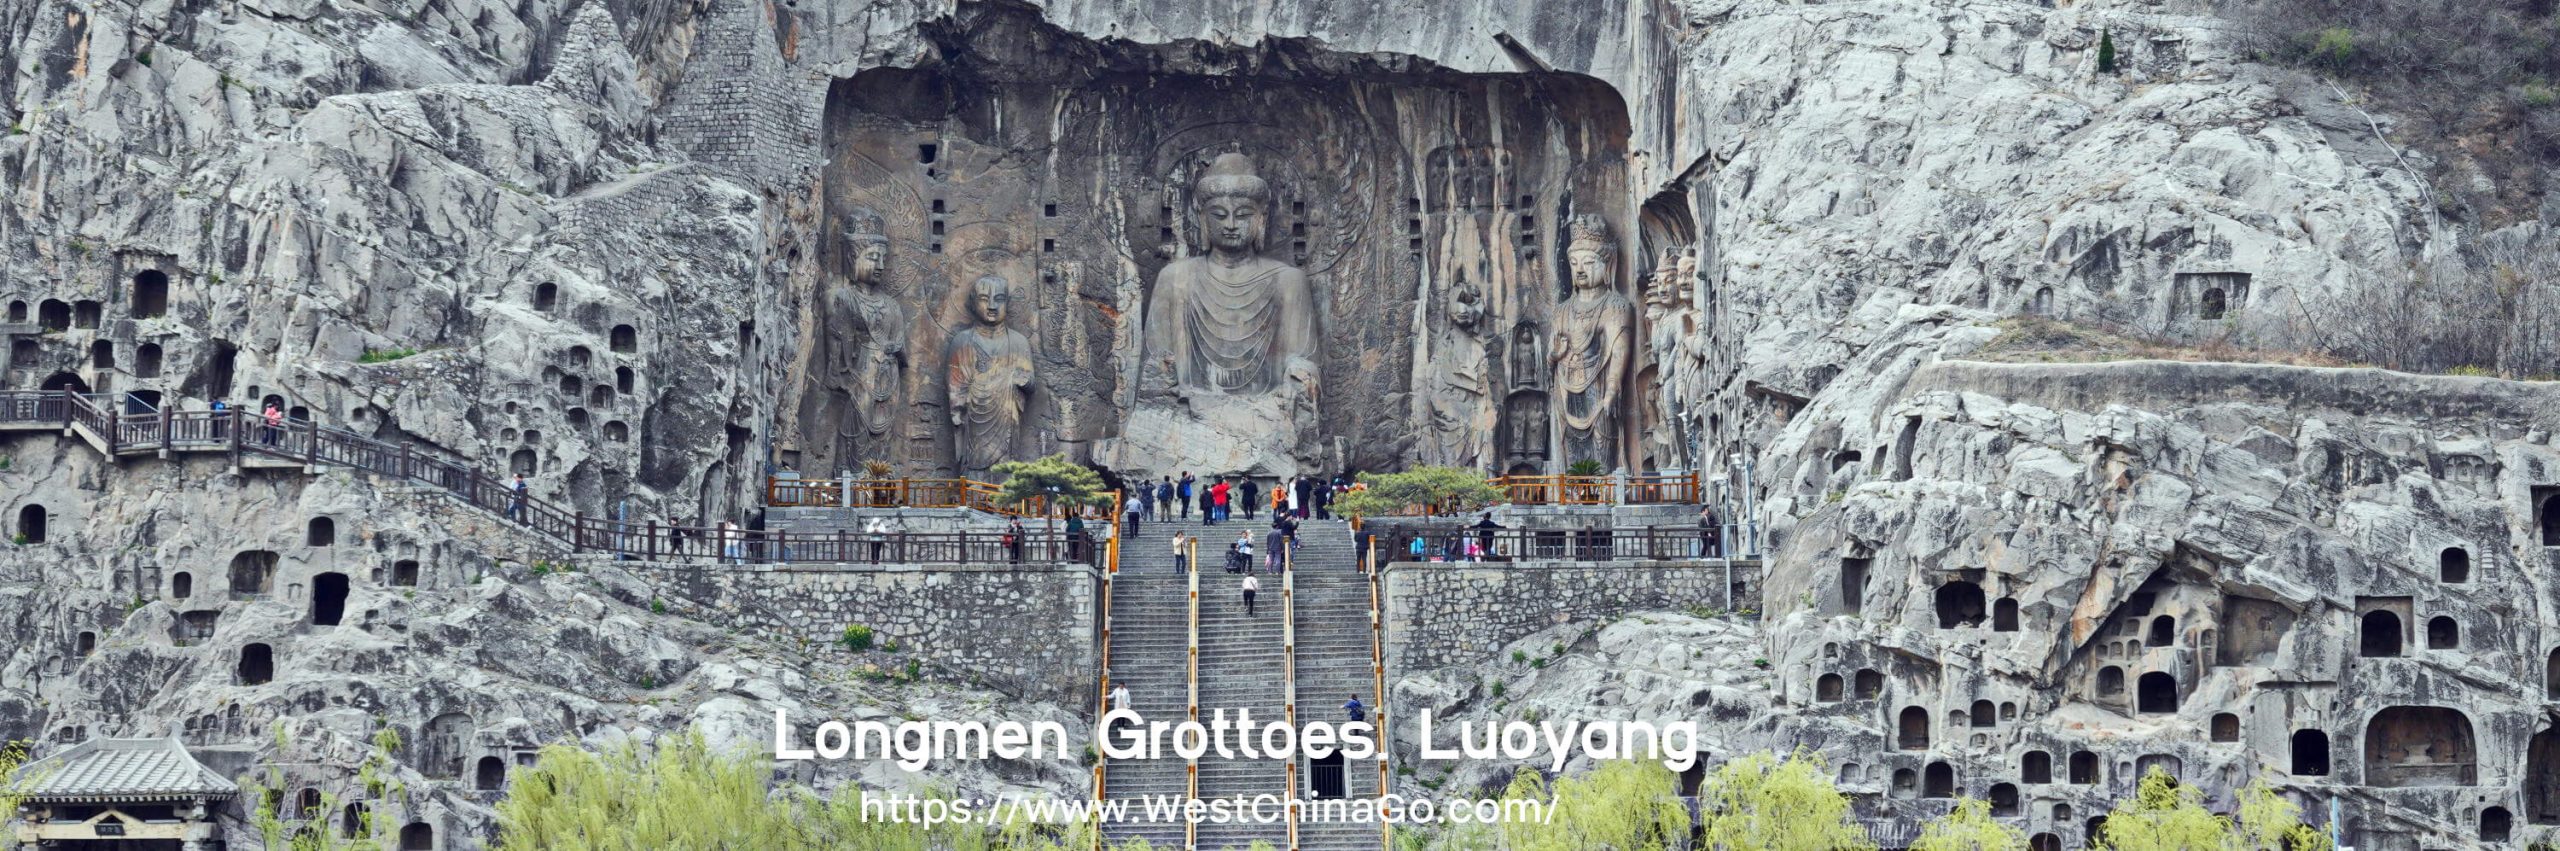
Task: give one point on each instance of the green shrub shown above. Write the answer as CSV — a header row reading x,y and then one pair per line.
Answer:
x,y
1586,467
2107,52
2538,94
385,355
2334,47
657,606
856,638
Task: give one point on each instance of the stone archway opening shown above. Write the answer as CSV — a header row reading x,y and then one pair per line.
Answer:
x,y
2453,566
150,293
2310,754
2035,767
1938,781
2084,768
2443,633
328,599
1827,689
1912,730
1960,603
257,665
2378,635
2419,746
31,524
2156,693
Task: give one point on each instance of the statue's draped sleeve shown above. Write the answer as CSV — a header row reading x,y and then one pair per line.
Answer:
x,y
1165,346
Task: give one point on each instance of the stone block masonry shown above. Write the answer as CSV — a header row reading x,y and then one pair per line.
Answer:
x,y
1029,630
1440,615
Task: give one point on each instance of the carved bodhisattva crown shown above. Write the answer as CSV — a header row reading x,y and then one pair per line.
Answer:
x,y
1590,232
863,225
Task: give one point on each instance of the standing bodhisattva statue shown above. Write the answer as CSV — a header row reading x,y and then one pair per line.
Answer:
x,y
863,345
989,371
1593,339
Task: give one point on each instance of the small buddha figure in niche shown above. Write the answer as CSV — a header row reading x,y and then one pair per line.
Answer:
x,y
988,375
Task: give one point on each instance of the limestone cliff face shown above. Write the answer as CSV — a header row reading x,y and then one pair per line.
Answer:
x,y
604,227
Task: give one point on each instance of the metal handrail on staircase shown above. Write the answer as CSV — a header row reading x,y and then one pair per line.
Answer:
x,y
1289,677
1191,767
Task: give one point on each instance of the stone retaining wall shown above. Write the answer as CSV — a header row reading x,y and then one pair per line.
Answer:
x,y
1027,630
1445,614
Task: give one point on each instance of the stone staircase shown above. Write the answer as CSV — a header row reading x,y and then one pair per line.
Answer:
x,y
1336,658
1151,654
1245,662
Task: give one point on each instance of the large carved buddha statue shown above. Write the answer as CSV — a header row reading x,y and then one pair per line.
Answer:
x,y
1232,322
1594,335
1228,378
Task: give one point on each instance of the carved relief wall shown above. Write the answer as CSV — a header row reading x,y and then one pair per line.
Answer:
x,y
1426,213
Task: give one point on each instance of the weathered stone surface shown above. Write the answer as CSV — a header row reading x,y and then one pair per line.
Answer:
x,y
615,229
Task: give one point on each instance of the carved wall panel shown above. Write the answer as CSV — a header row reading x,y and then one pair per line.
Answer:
x,y
1424,211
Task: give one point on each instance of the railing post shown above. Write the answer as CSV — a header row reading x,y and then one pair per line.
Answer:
x,y
651,547
115,441
231,431
312,450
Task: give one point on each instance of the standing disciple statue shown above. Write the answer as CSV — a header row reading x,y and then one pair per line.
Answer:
x,y
989,376
1593,337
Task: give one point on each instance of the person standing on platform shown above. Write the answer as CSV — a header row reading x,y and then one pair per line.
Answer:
x,y
1249,491
1186,492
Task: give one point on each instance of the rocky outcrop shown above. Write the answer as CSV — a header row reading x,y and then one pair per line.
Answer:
x,y
588,241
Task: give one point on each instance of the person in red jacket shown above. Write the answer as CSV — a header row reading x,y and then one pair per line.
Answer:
x,y
1218,501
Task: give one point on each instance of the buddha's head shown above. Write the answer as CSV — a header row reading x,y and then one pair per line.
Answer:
x,y
1230,203
989,299
1590,255
868,244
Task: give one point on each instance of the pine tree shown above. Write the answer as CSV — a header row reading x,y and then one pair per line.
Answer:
x,y
2107,52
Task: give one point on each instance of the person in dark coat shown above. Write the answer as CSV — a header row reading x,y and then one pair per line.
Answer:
x,y
1251,493
1484,533
1305,491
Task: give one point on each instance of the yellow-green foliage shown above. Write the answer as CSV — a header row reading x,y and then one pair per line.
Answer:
x,y
13,757
2268,822
1764,803
1442,490
680,794
2164,815
1969,827
1625,805
312,832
